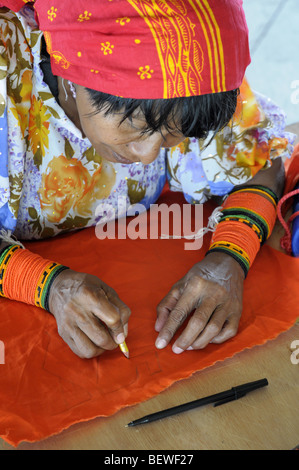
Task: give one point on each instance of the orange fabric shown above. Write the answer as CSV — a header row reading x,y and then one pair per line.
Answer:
x,y
45,388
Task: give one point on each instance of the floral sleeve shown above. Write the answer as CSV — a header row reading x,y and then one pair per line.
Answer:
x,y
254,137
11,162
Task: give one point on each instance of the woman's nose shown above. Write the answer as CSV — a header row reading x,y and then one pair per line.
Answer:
x,y
148,149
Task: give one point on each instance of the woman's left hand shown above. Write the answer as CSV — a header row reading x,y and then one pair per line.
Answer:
x,y
213,289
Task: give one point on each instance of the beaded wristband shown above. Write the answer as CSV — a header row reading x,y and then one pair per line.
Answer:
x,y
6,255
248,218
44,283
262,190
34,287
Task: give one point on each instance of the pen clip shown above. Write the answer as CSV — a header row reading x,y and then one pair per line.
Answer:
x,y
236,396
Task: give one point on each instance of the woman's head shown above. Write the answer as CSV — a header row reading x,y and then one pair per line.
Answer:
x,y
136,129
147,49
163,70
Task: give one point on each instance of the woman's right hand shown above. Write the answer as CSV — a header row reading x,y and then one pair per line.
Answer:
x,y
90,316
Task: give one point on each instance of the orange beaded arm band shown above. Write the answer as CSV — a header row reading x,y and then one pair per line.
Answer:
x,y
27,277
248,218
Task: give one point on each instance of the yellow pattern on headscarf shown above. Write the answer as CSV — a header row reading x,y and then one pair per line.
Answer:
x,y
179,53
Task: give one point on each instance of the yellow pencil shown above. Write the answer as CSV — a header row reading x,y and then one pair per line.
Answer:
x,y
124,349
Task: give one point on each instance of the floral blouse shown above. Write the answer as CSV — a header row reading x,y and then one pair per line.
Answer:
x,y
51,178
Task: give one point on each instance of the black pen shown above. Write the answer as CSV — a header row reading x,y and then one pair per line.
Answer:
x,y
218,399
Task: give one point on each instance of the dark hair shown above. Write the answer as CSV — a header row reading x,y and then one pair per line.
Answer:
x,y
194,116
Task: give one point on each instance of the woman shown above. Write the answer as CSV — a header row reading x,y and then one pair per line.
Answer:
x,y
105,102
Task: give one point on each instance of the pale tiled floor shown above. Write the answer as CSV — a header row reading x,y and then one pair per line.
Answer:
x,y
274,42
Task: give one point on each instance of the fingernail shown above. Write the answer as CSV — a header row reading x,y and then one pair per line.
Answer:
x,y
177,350
160,343
120,338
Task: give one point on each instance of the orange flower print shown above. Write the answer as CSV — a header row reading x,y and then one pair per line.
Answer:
x,y
39,126
26,89
21,108
248,113
255,158
68,186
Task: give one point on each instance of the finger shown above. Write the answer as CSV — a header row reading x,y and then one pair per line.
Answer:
x,y
72,345
109,314
176,318
211,330
83,346
124,311
95,331
229,330
197,324
79,343
166,306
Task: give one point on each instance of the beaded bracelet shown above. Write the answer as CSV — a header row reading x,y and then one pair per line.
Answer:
x,y
44,284
248,218
27,277
258,188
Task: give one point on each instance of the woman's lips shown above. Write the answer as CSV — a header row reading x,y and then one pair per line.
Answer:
x,y
121,159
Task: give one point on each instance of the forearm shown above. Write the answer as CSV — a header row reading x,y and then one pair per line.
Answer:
x,y
272,178
3,244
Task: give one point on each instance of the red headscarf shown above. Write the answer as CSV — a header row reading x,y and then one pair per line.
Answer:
x,y
146,48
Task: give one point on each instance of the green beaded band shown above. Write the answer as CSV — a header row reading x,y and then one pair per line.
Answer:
x,y
45,282
247,221
259,187
248,215
46,292
238,257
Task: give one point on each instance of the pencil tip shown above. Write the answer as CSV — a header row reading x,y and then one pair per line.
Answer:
x,y
126,354
124,350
